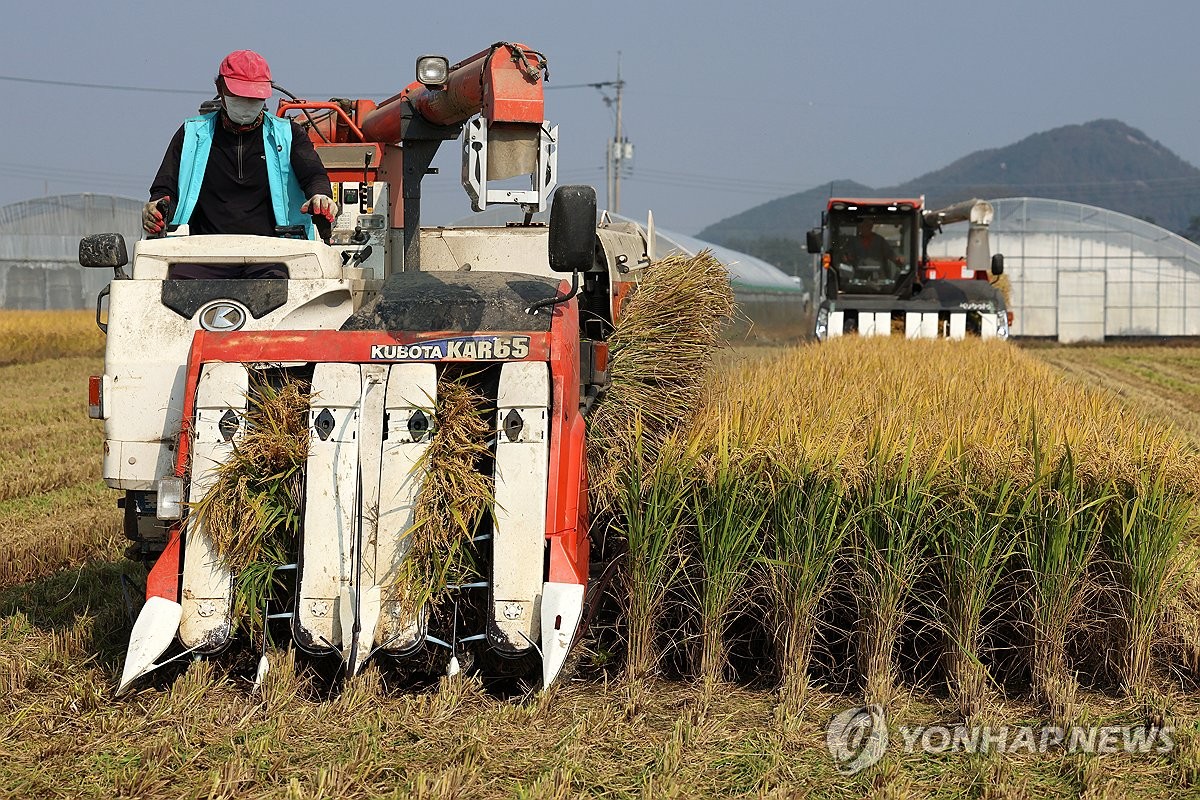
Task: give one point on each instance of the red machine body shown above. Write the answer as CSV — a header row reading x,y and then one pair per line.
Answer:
x,y
392,143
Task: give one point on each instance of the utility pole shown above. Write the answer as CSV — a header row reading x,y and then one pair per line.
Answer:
x,y
618,151
618,155
618,145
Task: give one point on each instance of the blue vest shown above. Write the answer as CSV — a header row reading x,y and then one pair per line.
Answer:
x,y
286,194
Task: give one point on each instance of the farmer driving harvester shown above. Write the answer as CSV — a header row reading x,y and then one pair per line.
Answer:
x,y
868,249
225,172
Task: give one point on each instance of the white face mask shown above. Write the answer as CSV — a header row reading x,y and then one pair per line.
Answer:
x,y
242,110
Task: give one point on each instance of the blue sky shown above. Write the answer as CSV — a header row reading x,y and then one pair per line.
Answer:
x,y
729,104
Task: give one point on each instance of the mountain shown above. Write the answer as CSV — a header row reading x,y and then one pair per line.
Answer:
x,y
1102,163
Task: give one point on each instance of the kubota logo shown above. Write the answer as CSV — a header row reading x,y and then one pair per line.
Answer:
x,y
222,315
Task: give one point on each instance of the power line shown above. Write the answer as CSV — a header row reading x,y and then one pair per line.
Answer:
x,y
110,87
158,90
63,171
718,179
686,184
597,85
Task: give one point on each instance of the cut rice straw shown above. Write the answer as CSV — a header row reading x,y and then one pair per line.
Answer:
x,y
660,355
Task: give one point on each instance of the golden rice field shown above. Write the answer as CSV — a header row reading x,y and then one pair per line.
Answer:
x,y
955,531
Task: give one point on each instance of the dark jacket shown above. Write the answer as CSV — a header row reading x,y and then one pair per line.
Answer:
x,y
236,197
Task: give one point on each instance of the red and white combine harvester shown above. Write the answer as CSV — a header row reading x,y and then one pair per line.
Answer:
x,y
370,318
876,276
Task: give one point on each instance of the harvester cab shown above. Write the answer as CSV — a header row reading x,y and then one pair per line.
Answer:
x,y
371,325
875,276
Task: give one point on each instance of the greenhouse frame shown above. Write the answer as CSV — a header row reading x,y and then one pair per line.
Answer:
x,y
1080,273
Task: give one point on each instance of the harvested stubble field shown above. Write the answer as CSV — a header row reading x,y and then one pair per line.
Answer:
x,y
63,625
1161,379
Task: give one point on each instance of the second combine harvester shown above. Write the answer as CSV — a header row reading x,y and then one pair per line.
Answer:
x,y
876,276
370,319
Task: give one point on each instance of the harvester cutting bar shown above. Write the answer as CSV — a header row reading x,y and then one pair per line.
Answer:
x,y
371,419
360,495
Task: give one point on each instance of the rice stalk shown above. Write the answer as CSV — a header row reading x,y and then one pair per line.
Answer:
x,y
974,547
1177,639
810,517
453,498
895,514
651,523
729,505
1143,539
252,512
1058,542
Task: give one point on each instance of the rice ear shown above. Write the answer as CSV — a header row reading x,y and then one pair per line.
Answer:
x,y
453,498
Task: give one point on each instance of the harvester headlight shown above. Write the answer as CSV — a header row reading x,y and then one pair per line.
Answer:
x,y
170,498
822,324
433,70
1002,324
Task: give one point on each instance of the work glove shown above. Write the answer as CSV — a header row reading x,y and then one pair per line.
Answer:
x,y
320,204
152,216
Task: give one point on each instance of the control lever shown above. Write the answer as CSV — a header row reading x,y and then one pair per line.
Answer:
x,y
163,205
357,257
324,227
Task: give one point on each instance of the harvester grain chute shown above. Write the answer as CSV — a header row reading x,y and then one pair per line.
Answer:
x,y
369,323
876,276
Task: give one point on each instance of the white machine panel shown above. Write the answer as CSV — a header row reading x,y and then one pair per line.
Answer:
x,y
918,325
410,422
562,608
874,323
331,505
837,323
958,326
207,582
989,326
522,474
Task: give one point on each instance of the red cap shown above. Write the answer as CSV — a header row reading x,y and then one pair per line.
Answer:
x,y
246,74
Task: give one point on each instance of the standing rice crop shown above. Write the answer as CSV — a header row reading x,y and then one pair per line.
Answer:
x,y
1143,540
1060,533
728,502
651,522
810,514
974,546
896,513
914,465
